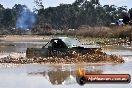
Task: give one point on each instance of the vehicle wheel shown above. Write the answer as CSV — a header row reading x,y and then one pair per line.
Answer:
x,y
82,80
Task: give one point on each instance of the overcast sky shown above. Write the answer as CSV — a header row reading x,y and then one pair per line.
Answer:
x,y
53,3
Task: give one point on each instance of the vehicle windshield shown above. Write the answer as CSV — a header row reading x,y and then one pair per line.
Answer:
x,y
70,42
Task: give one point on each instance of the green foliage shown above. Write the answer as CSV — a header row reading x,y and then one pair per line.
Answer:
x,y
82,12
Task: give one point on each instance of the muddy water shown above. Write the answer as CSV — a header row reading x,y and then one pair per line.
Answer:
x,y
11,48
58,76
19,46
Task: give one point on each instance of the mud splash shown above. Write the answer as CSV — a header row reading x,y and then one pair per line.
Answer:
x,y
72,58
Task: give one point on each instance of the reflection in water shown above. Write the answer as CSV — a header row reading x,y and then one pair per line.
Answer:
x,y
58,76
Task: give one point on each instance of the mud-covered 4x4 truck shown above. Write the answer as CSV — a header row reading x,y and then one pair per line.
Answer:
x,y
59,47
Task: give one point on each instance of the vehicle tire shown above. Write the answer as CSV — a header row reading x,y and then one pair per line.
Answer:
x,y
82,80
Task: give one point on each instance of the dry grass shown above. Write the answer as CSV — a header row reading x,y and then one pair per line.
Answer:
x,y
103,32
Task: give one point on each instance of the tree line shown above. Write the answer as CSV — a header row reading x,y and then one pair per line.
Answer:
x,y
62,17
